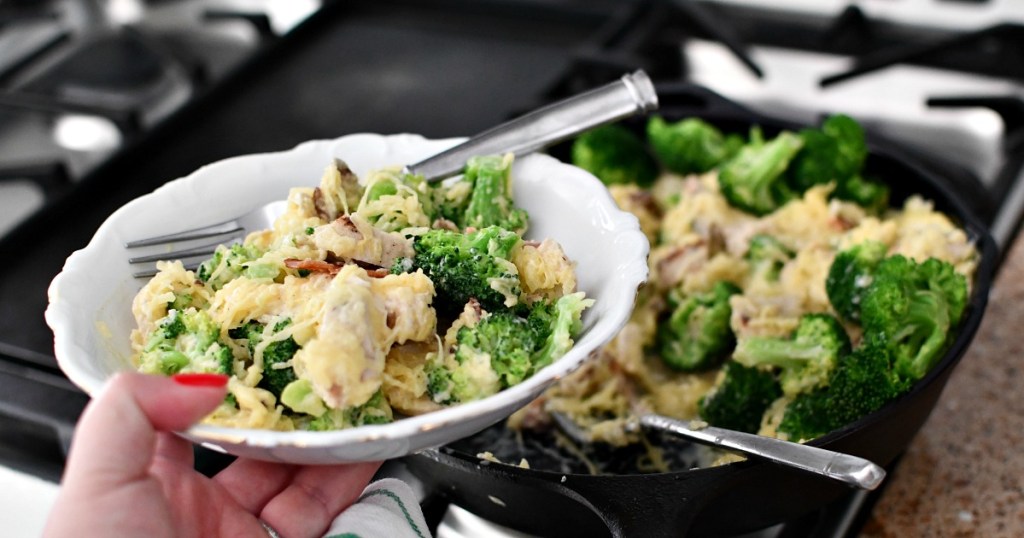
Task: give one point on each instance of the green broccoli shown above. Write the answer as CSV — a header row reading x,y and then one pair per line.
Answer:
x,y
911,308
558,324
861,383
615,155
186,341
691,145
277,374
490,203
231,262
464,266
850,275
696,335
836,153
740,397
754,180
832,153
440,385
767,255
503,348
805,359
509,340
873,196
375,411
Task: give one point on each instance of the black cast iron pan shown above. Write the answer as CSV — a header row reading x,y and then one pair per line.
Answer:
x,y
739,497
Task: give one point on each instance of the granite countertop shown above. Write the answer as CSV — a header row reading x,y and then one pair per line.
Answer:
x,y
963,475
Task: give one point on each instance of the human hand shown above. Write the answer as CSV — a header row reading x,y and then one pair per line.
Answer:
x,y
128,475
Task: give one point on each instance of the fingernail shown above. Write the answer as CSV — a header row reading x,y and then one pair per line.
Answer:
x,y
201,380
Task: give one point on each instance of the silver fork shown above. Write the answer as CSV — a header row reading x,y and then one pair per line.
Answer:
x,y
234,230
632,94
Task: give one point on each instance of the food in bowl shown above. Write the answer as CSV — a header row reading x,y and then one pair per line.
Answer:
x,y
786,297
367,300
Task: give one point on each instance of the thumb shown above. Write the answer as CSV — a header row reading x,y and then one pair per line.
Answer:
x,y
116,438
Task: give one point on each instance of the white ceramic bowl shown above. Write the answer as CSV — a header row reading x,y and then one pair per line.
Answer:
x,y
90,300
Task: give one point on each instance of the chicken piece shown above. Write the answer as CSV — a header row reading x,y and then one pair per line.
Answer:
x,y
345,361
350,237
407,298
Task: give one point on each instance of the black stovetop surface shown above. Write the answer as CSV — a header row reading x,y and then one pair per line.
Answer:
x,y
439,68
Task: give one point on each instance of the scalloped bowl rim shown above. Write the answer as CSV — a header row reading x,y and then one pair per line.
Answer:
x,y
630,271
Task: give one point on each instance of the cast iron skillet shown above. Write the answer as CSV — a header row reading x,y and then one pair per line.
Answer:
x,y
739,497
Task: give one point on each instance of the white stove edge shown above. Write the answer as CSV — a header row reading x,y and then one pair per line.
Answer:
x,y
27,501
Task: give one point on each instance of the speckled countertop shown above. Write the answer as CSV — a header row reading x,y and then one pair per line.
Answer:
x,y
963,475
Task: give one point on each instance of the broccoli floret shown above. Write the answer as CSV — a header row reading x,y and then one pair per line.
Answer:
x,y
850,275
696,335
836,153
873,196
277,374
861,383
503,348
375,411
830,154
767,255
229,263
299,397
561,328
740,398
805,359
691,145
464,266
615,155
185,300
490,203
186,341
509,340
911,309
440,386
754,180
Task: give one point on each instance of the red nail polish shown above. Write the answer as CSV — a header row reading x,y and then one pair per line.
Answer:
x,y
201,380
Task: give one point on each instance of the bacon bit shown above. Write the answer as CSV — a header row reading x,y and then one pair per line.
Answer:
x,y
716,240
332,267
391,319
342,167
475,305
346,224
837,222
445,224
366,265
321,205
646,201
316,266
377,273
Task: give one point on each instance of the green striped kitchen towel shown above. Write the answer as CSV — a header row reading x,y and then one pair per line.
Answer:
x,y
386,509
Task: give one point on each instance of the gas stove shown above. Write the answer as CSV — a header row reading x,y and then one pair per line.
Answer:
x,y
102,101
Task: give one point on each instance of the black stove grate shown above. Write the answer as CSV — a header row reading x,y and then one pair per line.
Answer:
x,y
440,68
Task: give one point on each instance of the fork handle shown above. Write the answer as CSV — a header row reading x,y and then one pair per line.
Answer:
x,y
632,94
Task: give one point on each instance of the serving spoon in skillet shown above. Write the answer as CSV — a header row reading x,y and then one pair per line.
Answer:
x,y
851,470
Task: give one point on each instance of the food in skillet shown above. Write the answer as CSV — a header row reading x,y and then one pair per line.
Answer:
x,y
366,301
786,297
